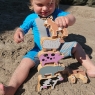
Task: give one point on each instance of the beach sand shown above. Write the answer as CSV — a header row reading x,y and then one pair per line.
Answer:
x,y
11,53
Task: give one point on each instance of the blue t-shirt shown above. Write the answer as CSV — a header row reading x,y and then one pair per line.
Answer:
x,y
37,24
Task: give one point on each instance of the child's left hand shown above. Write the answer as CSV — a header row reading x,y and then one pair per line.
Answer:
x,y
62,21
65,21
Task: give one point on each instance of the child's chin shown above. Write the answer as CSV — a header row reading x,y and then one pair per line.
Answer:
x,y
44,16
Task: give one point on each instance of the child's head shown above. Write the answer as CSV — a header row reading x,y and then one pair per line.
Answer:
x,y
44,7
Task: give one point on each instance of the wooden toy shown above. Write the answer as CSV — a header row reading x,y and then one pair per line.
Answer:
x,y
53,27
49,57
64,33
72,79
77,74
48,43
48,82
49,70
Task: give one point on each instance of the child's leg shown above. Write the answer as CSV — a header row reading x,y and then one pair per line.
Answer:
x,y
18,77
82,57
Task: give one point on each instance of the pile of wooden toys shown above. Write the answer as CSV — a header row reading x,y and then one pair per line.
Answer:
x,y
49,68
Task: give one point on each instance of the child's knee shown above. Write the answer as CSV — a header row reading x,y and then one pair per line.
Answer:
x,y
76,47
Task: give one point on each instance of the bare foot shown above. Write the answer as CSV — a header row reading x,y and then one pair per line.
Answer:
x,y
2,89
6,90
91,73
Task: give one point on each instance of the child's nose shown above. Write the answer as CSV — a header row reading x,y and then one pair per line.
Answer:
x,y
45,7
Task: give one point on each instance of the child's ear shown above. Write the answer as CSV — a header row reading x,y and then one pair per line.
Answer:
x,y
31,5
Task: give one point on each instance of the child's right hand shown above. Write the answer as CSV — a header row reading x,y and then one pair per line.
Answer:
x,y
19,36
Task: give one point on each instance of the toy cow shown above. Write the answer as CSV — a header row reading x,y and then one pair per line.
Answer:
x,y
48,82
49,57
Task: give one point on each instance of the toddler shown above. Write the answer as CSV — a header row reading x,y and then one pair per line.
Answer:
x,y
44,9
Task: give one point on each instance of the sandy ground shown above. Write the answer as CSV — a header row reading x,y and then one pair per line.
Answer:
x,y
11,53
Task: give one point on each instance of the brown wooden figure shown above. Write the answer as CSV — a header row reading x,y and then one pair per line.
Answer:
x,y
64,33
71,77
77,74
54,29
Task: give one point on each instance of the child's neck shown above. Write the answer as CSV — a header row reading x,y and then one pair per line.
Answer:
x,y
50,16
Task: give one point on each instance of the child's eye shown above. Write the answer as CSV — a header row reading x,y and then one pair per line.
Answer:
x,y
40,5
50,4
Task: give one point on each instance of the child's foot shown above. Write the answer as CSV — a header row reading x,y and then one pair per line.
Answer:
x,y
6,90
2,89
91,73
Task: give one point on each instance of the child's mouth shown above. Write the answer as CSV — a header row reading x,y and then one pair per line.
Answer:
x,y
44,13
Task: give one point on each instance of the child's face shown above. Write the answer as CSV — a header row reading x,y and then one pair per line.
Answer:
x,y
44,7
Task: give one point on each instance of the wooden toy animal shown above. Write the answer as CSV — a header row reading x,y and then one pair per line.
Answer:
x,y
77,74
48,43
49,57
49,70
53,27
48,82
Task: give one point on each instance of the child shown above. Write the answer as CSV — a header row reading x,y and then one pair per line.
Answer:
x,y
44,9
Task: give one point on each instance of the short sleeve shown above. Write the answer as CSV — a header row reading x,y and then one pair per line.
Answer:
x,y
27,24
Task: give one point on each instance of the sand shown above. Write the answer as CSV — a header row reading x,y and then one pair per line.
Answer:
x,y
11,53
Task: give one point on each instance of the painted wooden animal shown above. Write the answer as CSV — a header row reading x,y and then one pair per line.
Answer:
x,y
48,82
49,57
72,79
48,43
49,70
77,74
53,27
63,34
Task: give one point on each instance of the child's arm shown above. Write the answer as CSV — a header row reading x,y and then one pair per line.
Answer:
x,y
19,35
65,21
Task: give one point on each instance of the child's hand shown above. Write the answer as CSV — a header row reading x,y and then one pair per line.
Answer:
x,y
65,21
19,36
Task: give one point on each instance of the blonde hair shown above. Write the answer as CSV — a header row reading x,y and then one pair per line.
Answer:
x,y
31,7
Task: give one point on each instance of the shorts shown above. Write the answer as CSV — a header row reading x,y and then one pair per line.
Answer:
x,y
64,49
